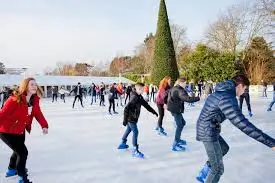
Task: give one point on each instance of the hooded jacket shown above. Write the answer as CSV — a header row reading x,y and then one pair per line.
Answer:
x,y
222,105
132,109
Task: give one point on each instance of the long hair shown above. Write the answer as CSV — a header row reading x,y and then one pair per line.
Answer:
x,y
164,83
23,89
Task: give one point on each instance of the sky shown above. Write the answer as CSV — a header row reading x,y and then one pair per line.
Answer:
x,y
39,33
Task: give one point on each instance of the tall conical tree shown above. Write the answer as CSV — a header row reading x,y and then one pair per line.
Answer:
x,y
164,59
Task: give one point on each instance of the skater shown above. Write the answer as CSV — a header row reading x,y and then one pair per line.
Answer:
x,y
246,96
62,92
131,115
264,88
219,106
191,90
16,117
175,104
120,93
273,101
112,96
102,95
7,93
93,93
54,93
152,91
200,86
208,88
146,91
128,93
164,87
78,92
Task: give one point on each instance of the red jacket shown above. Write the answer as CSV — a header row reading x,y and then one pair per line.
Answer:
x,y
14,118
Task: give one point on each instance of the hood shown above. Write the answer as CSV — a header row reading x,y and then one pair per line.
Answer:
x,y
226,86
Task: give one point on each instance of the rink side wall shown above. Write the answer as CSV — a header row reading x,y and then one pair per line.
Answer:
x,y
46,82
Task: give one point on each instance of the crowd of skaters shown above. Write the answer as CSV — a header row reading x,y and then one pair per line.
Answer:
x,y
21,105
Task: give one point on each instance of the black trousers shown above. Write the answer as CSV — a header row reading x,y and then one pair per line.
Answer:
x,y
247,100
54,97
79,98
19,156
127,97
102,100
161,114
62,96
112,104
152,96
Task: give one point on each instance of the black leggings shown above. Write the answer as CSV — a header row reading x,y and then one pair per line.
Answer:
x,y
247,99
54,97
112,103
62,96
19,156
79,98
161,114
102,100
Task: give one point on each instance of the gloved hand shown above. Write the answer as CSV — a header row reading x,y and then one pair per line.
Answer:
x,y
124,123
155,113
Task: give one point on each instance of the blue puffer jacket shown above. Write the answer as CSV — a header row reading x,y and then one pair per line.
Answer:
x,y
222,105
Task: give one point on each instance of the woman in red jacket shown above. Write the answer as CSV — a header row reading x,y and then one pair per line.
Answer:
x,y
15,117
164,86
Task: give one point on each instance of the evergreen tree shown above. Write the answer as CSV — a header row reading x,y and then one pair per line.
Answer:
x,y
164,59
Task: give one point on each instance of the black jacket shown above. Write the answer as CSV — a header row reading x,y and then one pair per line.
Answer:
x,y
176,98
222,105
75,91
132,109
112,93
128,90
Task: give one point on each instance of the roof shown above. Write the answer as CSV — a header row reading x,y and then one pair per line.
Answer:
x,y
9,80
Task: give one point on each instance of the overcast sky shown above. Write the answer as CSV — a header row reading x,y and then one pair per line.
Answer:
x,y
38,33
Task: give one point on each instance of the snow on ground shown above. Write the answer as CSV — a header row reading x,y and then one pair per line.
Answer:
x,y
81,148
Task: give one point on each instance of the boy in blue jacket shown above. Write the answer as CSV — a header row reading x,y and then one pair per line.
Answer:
x,y
219,106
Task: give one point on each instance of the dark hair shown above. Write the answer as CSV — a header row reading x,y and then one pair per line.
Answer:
x,y
241,79
78,83
140,84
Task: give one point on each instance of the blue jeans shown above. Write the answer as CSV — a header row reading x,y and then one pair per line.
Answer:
x,y
273,101
215,151
131,127
93,99
180,123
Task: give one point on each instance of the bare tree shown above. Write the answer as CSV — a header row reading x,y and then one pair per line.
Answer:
x,y
179,36
237,26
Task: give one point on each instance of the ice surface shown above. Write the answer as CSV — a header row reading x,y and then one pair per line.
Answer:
x,y
81,148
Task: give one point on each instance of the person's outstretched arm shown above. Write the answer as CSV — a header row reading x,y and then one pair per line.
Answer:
x,y
185,97
148,107
229,106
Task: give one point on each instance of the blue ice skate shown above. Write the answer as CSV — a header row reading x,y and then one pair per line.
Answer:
x,y
182,142
137,154
203,173
162,132
123,146
23,180
178,148
11,172
250,114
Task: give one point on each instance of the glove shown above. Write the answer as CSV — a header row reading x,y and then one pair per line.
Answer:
x,y
155,113
124,123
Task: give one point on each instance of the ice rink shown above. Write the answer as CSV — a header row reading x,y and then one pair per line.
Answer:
x,y
81,148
